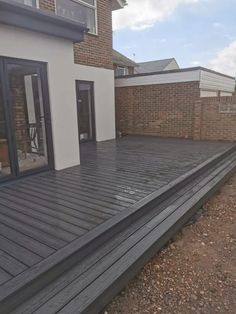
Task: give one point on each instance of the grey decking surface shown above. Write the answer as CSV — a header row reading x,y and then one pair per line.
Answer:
x,y
92,282
43,213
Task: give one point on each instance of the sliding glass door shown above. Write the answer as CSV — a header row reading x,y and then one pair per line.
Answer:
x,y
28,116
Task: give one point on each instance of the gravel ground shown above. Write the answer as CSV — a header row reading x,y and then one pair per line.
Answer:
x,y
196,272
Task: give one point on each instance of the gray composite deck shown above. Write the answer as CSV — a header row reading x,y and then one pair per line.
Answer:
x,y
42,214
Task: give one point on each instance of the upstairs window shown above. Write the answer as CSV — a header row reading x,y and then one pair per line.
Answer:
x,y
32,3
121,71
83,11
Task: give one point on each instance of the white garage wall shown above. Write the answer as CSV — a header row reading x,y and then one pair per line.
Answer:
x,y
104,98
58,53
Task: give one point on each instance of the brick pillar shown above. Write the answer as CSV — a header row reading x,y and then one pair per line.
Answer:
x,y
197,120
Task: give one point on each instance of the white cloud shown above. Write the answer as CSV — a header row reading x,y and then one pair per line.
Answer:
x,y
225,61
163,40
195,63
217,25
141,14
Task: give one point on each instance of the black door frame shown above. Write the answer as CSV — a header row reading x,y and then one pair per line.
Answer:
x,y
8,112
92,109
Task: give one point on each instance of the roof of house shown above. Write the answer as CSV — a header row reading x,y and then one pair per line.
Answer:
x,y
154,66
122,60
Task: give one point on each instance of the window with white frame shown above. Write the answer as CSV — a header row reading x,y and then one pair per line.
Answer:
x,y
83,11
32,3
121,71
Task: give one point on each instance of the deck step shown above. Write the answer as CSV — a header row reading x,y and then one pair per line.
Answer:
x,y
163,227
149,226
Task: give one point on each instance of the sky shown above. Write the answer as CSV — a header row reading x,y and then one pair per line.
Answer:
x,y
195,32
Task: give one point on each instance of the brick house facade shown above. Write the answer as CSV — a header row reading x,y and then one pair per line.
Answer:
x,y
96,50
122,65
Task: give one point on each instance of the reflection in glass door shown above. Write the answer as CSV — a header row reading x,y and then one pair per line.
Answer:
x,y
25,128
86,116
5,168
28,116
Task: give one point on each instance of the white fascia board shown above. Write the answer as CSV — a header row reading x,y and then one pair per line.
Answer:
x,y
216,82
152,79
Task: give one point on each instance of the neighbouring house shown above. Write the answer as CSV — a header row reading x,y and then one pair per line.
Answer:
x,y
157,66
123,65
195,103
56,81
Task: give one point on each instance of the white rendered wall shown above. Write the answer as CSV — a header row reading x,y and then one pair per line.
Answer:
x,y
104,98
58,53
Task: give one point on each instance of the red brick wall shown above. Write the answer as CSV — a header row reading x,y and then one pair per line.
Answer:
x,y
96,50
48,5
210,123
164,110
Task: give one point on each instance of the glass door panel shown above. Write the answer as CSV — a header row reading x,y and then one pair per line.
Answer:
x,y
5,168
26,96
85,111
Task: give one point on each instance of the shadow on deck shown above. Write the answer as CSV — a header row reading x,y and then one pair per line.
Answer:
x,y
71,239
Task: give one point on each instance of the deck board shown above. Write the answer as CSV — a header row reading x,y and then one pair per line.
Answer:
x,y
4,276
22,254
10,264
69,184
72,291
25,241
41,214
